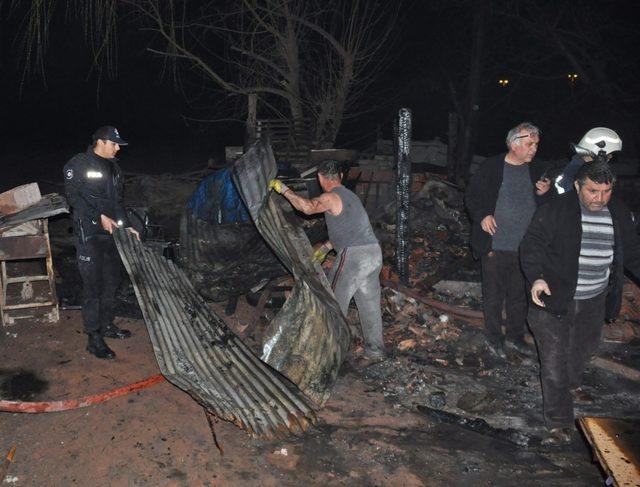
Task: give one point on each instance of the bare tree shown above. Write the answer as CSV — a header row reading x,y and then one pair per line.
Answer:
x,y
465,148
585,36
535,45
304,59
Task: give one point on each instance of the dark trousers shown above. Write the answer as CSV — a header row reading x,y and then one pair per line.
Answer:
x,y
503,284
99,266
565,345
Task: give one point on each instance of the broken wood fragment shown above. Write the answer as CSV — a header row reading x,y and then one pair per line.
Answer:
x,y
454,310
407,344
212,420
4,468
616,368
615,446
478,425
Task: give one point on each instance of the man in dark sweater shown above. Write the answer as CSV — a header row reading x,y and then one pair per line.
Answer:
x,y
501,199
574,254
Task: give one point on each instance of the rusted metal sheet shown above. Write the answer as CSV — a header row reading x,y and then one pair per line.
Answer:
x,y
616,445
197,352
308,339
25,247
48,205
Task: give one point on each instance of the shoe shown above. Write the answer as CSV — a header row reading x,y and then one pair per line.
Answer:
x,y
516,358
112,331
520,346
557,437
495,346
580,396
378,353
97,346
371,356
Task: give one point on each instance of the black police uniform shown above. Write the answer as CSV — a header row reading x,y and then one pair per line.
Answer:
x,y
94,187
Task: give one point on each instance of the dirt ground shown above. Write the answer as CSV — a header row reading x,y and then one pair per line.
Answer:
x,y
160,435
370,432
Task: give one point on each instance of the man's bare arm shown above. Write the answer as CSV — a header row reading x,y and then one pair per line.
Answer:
x,y
324,202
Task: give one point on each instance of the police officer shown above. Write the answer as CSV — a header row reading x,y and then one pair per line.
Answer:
x,y
94,187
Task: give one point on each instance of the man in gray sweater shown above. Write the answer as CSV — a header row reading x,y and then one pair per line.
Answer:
x,y
355,273
501,199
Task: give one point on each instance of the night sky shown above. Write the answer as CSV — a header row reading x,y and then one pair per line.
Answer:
x,y
430,62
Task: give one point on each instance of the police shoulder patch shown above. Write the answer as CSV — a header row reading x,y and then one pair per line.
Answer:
x,y
68,174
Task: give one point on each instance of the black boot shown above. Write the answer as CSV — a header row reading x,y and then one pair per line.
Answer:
x,y
112,331
96,346
495,345
520,346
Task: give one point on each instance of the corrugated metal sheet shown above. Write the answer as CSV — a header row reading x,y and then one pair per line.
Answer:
x,y
225,260
308,339
197,352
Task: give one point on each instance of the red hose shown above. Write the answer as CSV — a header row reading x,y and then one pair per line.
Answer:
x,y
54,406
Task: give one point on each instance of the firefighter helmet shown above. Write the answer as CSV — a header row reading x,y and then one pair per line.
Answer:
x,y
601,139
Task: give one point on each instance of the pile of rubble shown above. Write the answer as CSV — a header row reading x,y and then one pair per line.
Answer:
x,y
439,363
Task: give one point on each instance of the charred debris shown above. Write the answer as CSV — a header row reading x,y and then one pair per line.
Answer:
x,y
225,244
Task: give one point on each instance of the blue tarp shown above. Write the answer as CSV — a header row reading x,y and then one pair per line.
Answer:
x,y
217,200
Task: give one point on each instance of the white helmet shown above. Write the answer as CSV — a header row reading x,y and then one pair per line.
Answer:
x,y
601,139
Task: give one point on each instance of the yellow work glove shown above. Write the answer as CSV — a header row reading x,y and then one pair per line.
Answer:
x,y
278,186
320,254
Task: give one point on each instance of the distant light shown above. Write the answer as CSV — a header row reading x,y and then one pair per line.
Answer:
x,y
572,77
503,82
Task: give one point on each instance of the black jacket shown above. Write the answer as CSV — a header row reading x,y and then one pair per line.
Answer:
x,y
551,247
482,195
94,187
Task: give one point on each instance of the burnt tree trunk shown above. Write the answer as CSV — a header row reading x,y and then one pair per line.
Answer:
x,y
470,122
252,120
452,134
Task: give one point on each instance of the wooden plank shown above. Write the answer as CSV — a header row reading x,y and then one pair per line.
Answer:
x,y
367,186
616,368
50,272
14,280
23,247
28,305
18,198
616,445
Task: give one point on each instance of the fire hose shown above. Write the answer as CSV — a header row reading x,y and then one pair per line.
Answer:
x,y
67,404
